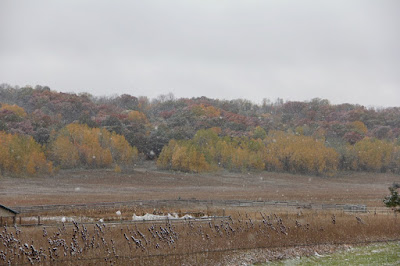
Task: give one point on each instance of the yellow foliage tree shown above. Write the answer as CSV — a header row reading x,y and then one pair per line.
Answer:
x,y
359,127
80,145
244,159
19,111
373,154
21,155
279,151
165,158
206,151
64,152
182,156
121,151
137,117
259,133
299,154
180,160
208,111
224,153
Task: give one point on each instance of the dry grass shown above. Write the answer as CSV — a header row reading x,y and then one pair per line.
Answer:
x,y
89,186
173,243
190,242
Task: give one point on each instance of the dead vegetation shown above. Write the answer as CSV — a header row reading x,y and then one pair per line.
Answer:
x,y
276,232
175,243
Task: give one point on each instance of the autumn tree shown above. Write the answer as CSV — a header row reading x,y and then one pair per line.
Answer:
x,y
137,130
164,160
79,145
196,155
208,111
299,154
137,117
278,152
149,125
64,152
259,133
17,110
372,154
240,154
21,155
182,156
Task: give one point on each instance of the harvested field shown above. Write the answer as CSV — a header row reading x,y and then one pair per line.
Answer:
x,y
147,183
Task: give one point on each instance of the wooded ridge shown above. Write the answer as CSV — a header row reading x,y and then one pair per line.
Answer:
x,y
42,130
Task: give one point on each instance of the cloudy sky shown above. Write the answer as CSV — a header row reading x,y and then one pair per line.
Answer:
x,y
342,50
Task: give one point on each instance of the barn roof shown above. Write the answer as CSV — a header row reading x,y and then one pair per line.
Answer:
x,y
8,209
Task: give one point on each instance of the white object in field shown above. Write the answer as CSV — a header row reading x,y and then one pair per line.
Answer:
x,y
148,217
63,219
118,213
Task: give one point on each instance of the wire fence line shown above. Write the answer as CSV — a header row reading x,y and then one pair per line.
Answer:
x,y
194,202
37,223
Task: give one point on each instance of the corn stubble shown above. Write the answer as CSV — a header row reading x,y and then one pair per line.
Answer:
x,y
188,242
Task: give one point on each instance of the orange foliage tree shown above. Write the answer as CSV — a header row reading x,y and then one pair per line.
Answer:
x,y
80,145
21,155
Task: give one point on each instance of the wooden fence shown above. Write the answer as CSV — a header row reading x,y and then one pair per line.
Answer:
x,y
194,202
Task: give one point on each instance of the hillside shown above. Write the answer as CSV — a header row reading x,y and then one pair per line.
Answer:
x,y
149,125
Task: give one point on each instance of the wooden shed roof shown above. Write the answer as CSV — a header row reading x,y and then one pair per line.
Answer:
x,y
8,209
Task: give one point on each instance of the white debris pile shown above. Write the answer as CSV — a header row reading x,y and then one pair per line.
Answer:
x,y
149,217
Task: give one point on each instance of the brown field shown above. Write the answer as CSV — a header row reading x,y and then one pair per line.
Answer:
x,y
146,182
248,235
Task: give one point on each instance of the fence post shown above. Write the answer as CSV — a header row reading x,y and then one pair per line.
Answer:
x,y
38,220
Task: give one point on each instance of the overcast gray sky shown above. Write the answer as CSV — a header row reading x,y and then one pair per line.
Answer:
x,y
342,50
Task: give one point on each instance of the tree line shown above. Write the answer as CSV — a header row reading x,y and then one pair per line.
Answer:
x,y
277,151
75,145
276,136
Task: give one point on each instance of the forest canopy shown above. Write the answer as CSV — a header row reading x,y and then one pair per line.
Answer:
x,y
67,130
